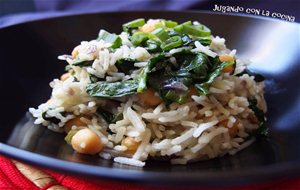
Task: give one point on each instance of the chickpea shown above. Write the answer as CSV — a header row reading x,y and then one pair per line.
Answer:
x,y
65,76
86,141
75,121
228,69
225,57
232,130
149,98
147,28
131,145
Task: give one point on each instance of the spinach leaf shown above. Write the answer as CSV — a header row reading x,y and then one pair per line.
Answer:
x,y
213,63
175,90
192,68
257,77
120,89
112,90
51,119
260,115
82,63
185,62
126,65
108,116
203,88
176,83
153,61
173,96
156,79
144,75
183,51
172,82
197,65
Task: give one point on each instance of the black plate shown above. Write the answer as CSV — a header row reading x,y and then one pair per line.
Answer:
x,y
28,54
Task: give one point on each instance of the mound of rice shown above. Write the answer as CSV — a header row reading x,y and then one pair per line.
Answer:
x,y
202,125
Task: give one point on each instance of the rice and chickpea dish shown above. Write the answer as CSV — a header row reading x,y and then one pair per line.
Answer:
x,y
157,90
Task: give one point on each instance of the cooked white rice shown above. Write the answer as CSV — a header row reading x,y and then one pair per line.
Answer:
x,y
183,132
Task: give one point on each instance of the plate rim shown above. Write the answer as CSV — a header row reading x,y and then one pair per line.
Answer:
x,y
68,14
270,172
208,178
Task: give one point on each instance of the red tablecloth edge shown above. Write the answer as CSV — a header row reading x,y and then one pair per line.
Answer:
x,y
11,178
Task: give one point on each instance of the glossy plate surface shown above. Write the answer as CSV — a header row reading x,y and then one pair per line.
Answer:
x,y
28,59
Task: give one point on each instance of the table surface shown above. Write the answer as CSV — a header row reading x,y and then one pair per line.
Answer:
x,y
17,175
